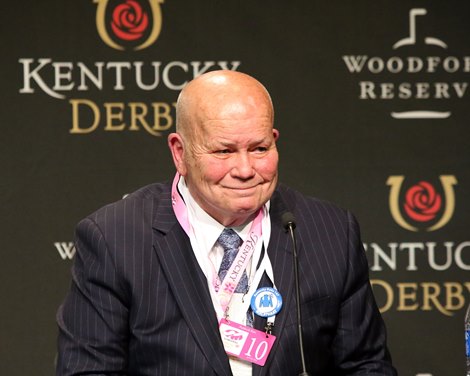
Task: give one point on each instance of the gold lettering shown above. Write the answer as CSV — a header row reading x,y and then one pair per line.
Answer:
x,y
429,296
116,117
454,290
403,296
138,113
162,111
110,116
426,296
467,285
388,293
76,129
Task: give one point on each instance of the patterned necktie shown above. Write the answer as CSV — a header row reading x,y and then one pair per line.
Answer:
x,y
231,242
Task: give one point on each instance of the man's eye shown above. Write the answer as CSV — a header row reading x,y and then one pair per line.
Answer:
x,y
223,151
261,149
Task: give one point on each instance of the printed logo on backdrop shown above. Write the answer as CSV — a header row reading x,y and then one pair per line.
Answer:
x,y
420,79
127,26
422,207
66,250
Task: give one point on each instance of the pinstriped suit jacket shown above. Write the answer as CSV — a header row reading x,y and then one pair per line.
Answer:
x,y
139,303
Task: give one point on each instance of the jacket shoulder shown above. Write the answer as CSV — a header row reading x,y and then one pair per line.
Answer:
x,y
147,197
299,203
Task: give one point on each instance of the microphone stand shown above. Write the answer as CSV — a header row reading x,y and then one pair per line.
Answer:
x,y
290,226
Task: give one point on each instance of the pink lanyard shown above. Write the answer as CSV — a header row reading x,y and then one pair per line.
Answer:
x,y
226,288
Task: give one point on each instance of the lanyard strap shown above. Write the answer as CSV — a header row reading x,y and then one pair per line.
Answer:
x,y
179,207
239,265
224,290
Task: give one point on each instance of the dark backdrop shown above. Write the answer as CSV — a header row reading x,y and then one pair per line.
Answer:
x,y
340,86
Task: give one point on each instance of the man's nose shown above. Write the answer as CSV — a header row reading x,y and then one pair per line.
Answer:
x,y
243,166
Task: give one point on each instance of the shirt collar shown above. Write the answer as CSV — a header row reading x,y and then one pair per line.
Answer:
x,y
203,223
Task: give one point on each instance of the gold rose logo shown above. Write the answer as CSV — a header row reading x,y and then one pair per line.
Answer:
x,y
129,23
422,202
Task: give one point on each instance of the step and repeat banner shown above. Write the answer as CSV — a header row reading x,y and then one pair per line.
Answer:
x,y
372,103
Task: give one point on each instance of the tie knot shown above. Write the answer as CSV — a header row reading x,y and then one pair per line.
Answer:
x,y
229,240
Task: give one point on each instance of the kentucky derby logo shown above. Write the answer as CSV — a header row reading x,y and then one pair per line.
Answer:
x,y
132,23
422,204
234,335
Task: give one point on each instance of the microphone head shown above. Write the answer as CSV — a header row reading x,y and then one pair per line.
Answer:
x,y
288,220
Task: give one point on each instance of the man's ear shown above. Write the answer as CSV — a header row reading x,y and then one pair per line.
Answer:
x,y
275,134
176,145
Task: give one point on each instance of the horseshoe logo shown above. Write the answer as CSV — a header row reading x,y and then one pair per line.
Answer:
x,y
426,202
129,23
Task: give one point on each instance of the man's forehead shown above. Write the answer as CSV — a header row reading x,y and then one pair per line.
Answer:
x,y
226,107
223,78
222,96
256,123
234,131
224,86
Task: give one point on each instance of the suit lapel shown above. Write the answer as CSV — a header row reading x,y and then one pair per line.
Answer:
x,y
188,285
280,254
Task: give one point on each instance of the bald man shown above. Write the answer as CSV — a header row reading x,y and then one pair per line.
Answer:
x,y
196,277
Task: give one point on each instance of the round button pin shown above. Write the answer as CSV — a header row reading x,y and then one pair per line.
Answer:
x,y
266,302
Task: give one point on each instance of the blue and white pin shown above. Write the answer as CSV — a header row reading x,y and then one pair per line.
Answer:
x,y
266,302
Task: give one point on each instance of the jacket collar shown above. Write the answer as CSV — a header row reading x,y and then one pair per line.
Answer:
x,y
189,285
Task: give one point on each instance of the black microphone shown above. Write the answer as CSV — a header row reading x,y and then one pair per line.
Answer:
x,y
288,221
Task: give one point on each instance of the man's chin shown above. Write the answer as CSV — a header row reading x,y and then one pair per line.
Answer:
x,y
242,193
241,216
246,210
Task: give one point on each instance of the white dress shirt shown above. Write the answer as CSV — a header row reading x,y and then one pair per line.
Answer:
x,y
205,232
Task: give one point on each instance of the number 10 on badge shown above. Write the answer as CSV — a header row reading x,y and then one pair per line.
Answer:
x,y
246,343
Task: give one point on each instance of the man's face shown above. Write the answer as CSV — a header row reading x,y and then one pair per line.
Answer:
x,y
231,161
